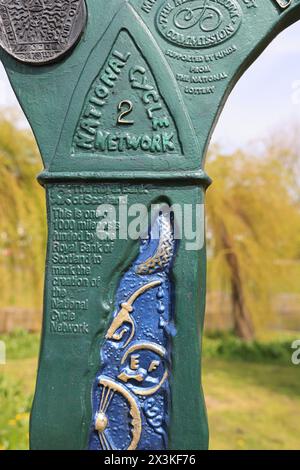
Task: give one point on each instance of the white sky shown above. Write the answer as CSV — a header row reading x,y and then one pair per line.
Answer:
x,y
266,98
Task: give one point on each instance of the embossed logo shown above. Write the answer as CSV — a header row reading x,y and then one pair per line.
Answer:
x,y
40,31
199,23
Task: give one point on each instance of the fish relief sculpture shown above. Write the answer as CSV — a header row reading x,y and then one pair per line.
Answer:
x,y
131,395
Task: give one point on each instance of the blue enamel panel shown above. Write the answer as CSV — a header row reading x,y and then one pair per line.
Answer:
x,y
131,395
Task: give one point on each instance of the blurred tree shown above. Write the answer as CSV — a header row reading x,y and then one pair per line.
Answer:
x,y
253,228
22,219
285,146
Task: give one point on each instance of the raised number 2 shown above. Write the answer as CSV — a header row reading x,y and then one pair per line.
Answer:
x,y
124,112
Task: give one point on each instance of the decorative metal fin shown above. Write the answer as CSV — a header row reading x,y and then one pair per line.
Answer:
x,y
283,3
165,250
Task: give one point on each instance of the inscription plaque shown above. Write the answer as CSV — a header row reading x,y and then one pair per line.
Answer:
x,y
123,125
199,24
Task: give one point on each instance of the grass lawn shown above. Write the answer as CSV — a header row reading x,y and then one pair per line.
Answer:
x,y
250,405
16,391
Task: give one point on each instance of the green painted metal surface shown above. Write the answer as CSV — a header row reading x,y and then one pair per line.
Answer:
x,y
175,62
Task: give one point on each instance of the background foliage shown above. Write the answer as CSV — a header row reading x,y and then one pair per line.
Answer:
x,y
22,219
254,231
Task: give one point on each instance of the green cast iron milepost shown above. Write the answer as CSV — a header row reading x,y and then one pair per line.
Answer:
x,y
122,97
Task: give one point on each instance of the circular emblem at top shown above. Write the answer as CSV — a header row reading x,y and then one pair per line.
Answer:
x,y
40,31
199,24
